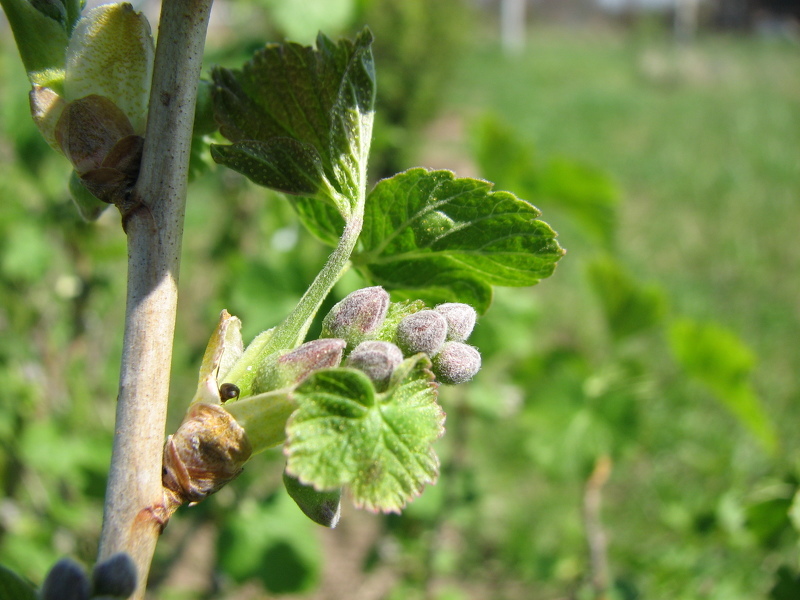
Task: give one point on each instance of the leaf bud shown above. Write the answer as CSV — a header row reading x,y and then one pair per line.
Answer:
x,y
207,451
66,581
322,507
293,367
357,316
377,359
460,320
456,363
115,577
424,331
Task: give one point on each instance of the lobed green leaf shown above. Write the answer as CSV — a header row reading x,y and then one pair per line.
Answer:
x,y
344,433
300,119
430,235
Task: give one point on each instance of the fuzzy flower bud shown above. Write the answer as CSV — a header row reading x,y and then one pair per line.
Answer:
x,y
293,367
357,316
456,363
460,320
115,577
424,331
377,359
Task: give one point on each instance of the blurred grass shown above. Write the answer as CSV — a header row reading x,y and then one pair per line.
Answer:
x,y
704,142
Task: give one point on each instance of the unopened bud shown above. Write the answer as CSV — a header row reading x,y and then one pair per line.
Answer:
x,y
456,363
88,129
377,359
322,507
357,316
207,451
424,331
115,577
460,320
66,581
293,367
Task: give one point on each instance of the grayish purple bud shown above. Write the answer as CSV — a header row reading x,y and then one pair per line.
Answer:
x,y
456,363
357,315
424,331
460,320
66,581
293,367
377,359
115,577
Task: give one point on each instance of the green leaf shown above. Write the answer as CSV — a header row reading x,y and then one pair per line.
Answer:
x,y
41,40
429,235
722,362
300,119
13,587
629,307
344,433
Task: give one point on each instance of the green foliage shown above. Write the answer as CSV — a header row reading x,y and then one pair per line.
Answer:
x,y
629,306
721,361
430,235
417,46
585,193
13,587
271,542
345,433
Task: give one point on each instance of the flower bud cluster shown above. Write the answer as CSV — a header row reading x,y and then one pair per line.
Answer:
x,y
115,577
379,335
440,333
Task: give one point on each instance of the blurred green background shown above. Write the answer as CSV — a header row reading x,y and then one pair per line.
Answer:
x,y
633,433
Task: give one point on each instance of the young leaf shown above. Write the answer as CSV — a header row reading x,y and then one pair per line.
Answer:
x,y
427,234
300,120
14,587
344,433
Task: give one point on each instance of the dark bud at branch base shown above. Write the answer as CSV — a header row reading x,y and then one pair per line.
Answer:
x,y
357,316
456,363
424,331
460,320
377,359
115,577
66,581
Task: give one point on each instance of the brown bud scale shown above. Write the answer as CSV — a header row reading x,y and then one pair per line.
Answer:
x,y
207,451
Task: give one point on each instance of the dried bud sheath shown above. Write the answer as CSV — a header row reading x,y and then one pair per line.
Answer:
x,y
207,451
